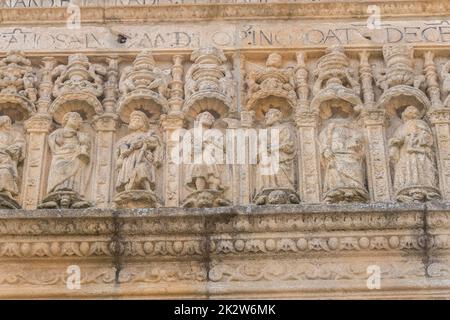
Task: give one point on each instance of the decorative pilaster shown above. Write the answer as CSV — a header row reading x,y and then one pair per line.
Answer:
x,y
172,124
310,178
33,186
245,178
440,120
379,178
105,127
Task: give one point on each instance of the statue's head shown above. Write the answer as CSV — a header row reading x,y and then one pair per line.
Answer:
x,y
273,116
274,60
5,123
205,119
72,120
138,121
410,113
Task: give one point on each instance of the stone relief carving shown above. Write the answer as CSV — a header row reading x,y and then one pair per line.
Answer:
x,y
204,179
70,150
209,83
275,169
342,151
12,152
272,85
327,149
143,86
412,150
139,154
17,85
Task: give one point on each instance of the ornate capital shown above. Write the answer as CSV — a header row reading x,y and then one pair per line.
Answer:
x,y
374,117
40,122
307,119
439,116
106,122
172,121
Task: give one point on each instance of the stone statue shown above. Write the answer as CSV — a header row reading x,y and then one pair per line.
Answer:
x,y
12,152
139,154
70,149
275,170
204,179
411,150
342,153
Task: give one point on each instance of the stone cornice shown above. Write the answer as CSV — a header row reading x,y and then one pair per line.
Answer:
x,y
190,12
234,230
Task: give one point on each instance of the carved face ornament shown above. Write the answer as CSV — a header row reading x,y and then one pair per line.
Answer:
x,y
206,119
410,113
138,121
273,116
72,120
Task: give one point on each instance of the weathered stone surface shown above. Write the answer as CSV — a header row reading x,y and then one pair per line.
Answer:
x,y
212,150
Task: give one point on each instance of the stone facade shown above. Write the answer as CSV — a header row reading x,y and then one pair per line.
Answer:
x,y
99,124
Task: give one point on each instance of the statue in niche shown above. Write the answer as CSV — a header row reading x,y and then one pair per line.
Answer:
x,y
139,154
12,152
411,150
70,149
342,154
275,169
204,178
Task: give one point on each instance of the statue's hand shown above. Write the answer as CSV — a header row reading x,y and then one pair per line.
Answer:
x,y
328,155
83,156
394,154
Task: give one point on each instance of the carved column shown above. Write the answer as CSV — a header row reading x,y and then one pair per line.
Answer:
x,y
440,120
310,177
105,126
33,186
379,178
172,124
307,126
245,178
365,72
432,79
37,129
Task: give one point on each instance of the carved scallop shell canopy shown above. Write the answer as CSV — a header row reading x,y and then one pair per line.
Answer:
x,y
16,107
262,105
396,99
86,104
147,101
213,104
336,100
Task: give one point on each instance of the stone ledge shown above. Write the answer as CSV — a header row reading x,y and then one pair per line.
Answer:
x,y
300,251
190,12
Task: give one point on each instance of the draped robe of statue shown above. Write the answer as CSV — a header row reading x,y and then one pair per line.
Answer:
x,y
70,155
139,154
12,151
415,167
277,171
342,151
208,168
